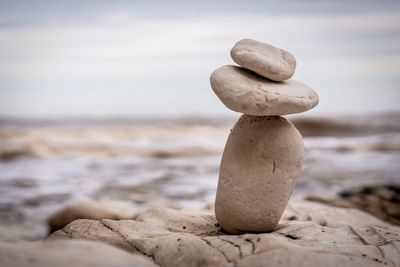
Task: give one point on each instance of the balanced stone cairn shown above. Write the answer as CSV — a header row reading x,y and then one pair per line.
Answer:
x,y
264,153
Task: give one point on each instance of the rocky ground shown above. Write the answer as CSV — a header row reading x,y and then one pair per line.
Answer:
x,y
309,234
383,201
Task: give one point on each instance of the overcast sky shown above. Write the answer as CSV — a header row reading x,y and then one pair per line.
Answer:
x,y
152,58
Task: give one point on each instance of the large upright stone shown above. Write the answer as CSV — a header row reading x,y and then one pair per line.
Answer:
x,y
243,91
266,60
261,161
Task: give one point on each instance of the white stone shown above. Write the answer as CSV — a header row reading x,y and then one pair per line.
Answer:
x,y
243,91
261,161
266,60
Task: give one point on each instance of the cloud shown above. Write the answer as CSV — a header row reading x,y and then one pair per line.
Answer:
x,y
120,52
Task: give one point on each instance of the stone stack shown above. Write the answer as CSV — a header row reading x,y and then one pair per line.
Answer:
x,y
264,153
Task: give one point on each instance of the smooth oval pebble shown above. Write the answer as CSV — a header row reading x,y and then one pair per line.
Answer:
x,y
244,91
261,161
266,60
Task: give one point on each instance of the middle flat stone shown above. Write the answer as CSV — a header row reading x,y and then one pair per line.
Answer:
x,y
244,91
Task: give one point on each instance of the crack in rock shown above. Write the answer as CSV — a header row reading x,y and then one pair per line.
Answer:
x,y
394,245
68,234
362,240
377,233
253,245
384,261
233,244
88,228
217,249
127,241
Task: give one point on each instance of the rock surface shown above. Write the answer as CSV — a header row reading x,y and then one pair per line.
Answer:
x,y
81,210
382,201
309,234
266,60
243,91
260,164
67,253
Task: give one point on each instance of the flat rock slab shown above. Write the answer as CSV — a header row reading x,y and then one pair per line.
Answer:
x,y
309,234
67,253
244,91
264,59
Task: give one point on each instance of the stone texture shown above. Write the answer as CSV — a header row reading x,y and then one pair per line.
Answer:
x,y
382,201
193,222
309,234
266,60
81,210
67,253
260,164
243,91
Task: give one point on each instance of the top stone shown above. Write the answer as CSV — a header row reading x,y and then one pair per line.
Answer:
x,y
266,60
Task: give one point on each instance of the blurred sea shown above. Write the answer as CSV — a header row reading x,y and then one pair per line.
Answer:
x,y
45,164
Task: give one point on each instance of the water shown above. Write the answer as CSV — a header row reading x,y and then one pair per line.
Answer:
x,y
45,164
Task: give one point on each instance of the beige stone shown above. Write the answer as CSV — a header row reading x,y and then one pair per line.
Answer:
x,y
67,253
243,91
81,210
309,234
194,222
266,60
261,161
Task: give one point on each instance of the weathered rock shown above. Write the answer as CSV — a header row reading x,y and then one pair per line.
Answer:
x,y
160,244
307,234
243,91
260,164
266,60
382,201
81,210
66,253
193,222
